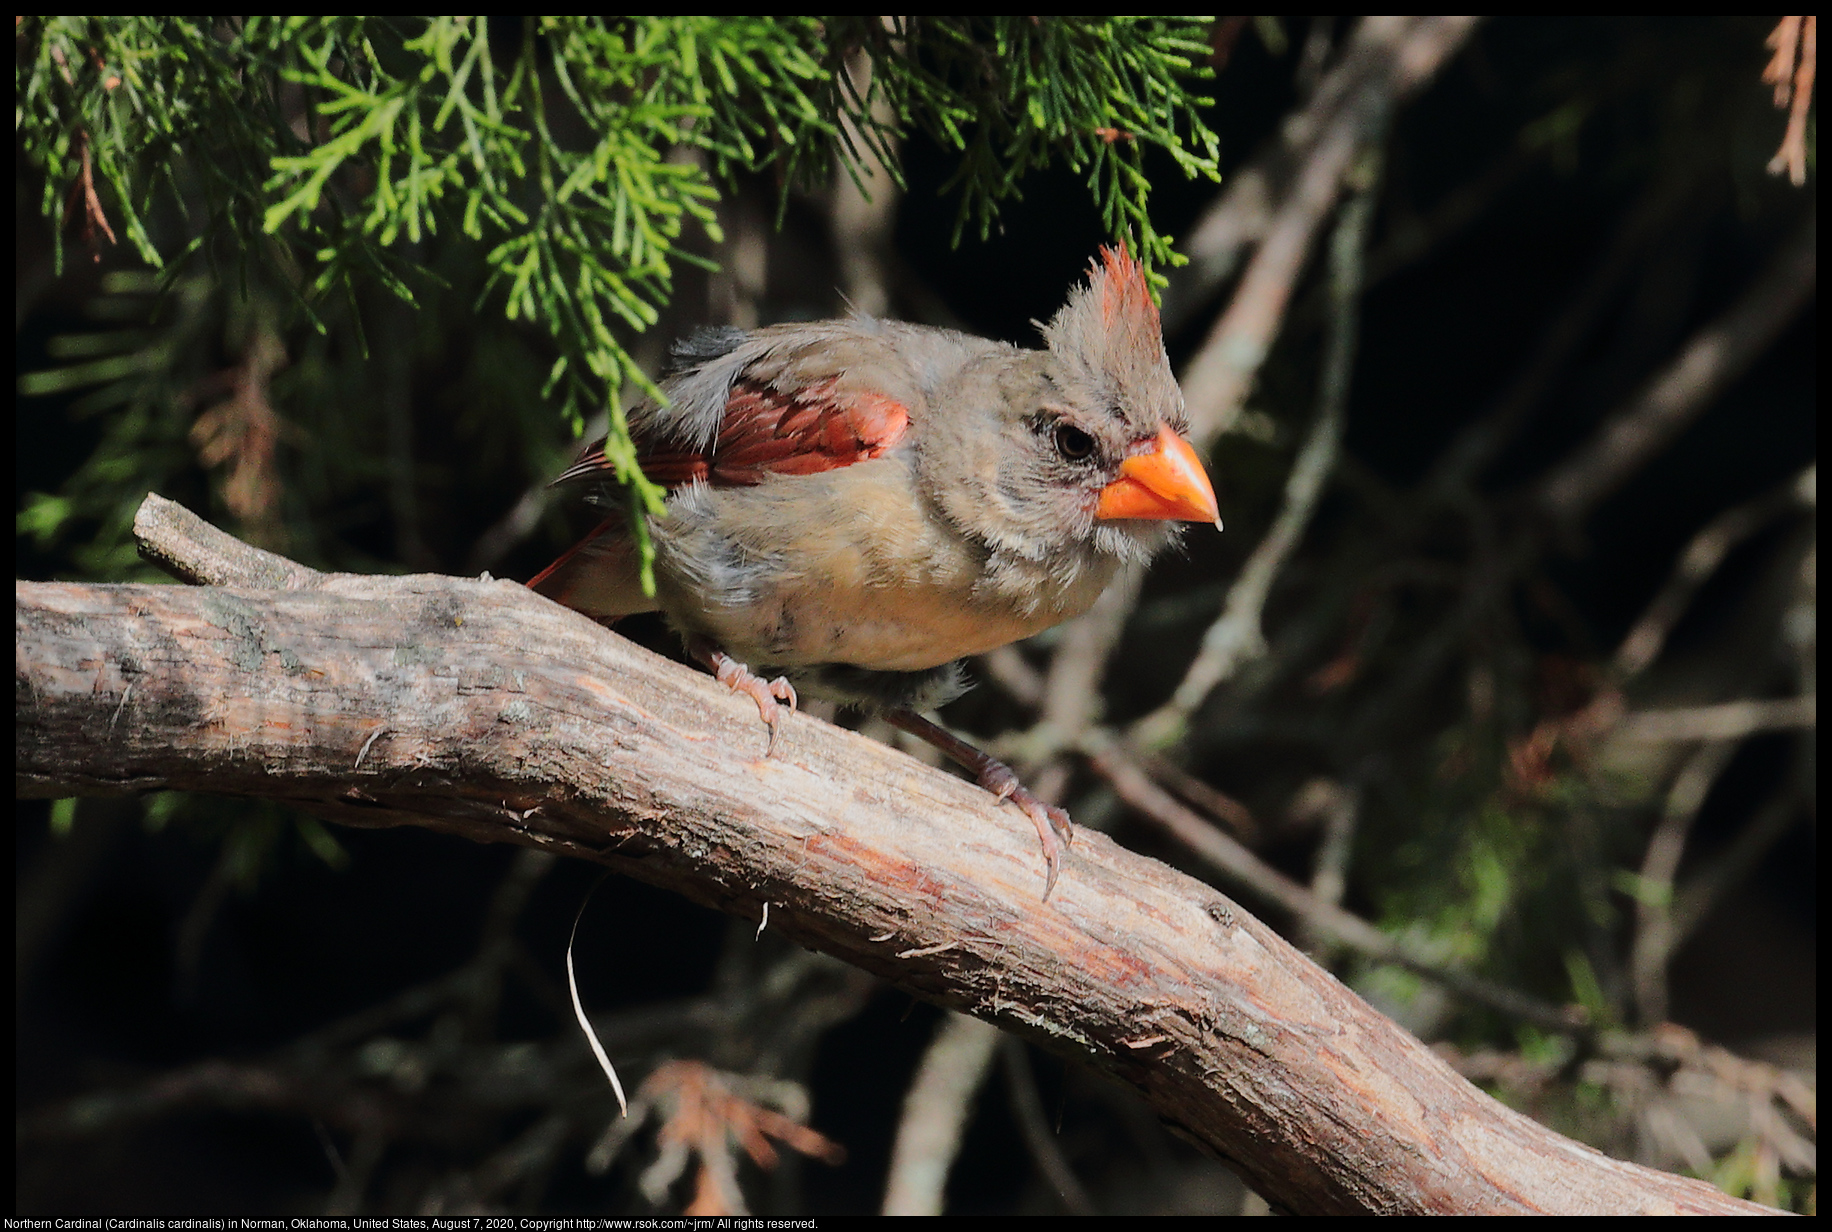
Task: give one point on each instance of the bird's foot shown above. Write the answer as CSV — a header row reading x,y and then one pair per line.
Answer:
x,y
1002,781
1051,821
770,695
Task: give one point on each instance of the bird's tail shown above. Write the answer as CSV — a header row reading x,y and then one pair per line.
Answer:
x,y
597,575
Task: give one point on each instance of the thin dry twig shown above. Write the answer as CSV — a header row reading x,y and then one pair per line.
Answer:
x,y
1792,76
1387,57
935,1112
1114,762
736,291
1724,721
1481,441
1071,695
1205,796
94,217
1710,360
1237,636
863,211
1034,1128
1694,900
1338,807
1653,944
1700,559
502,535
1009,670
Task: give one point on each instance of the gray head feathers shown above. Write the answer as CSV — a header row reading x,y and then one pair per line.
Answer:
x,y
1107,339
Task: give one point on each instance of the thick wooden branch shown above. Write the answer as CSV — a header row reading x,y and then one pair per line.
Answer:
x,y
479,708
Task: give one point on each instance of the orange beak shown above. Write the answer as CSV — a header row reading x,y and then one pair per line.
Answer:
x,y
1167,484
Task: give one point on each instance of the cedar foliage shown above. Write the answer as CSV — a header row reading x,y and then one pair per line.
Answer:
x,y
321,153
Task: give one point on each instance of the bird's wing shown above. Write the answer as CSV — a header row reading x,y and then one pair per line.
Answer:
x,y
786,400
819,427
794,400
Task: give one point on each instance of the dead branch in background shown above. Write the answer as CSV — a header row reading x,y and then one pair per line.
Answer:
x,y
1481,441
1792,76
1698,562
1714,357
1236,636
1386,59
936,1110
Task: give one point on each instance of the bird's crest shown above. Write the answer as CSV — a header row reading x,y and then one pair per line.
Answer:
x,y
1125,296
1108,335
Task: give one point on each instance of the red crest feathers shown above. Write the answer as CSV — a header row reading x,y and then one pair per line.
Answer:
x,y
1125,295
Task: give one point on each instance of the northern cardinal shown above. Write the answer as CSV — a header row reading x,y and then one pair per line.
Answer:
x,y
862,503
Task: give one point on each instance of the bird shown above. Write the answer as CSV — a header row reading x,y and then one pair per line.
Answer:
x,y
861,504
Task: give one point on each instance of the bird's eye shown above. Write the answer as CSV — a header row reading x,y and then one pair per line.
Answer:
x,y
1072,443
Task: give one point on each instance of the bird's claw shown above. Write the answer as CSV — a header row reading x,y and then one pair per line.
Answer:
x,y
778,690
770,695
996,777
1051,822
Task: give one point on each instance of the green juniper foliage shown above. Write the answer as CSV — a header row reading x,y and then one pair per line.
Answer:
x,y
320,151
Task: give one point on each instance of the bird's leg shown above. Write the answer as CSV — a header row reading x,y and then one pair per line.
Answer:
x,y
740,679
999,779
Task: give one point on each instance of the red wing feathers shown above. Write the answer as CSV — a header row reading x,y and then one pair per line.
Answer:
x,y
767,431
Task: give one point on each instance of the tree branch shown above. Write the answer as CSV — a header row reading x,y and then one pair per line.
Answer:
x,y
488,712
935,1115
1711,360
1724,721
1284,205
1236,636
